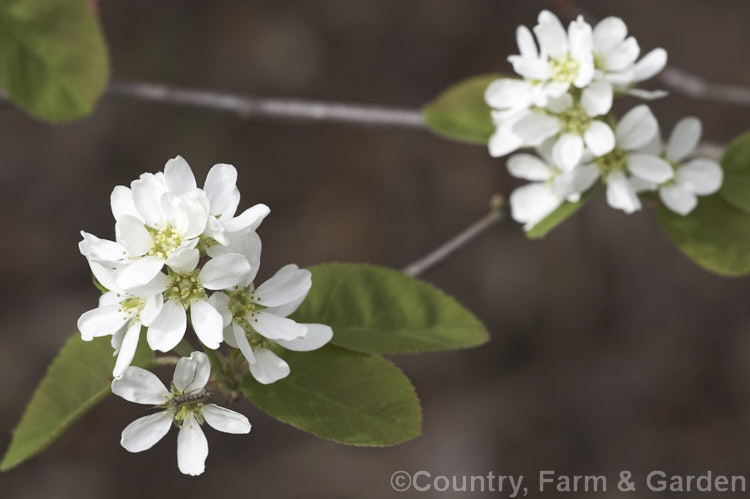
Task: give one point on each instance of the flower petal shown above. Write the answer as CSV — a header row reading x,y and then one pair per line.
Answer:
x,y
532,203
151,309
269,367
678,199
286,286
274,327
703,176
529,167
192,447
620,193
576,181
168,328
650,168
651,64
637,128
506,93
551,35
184,260
526,44
145,432
178,176
208,324
127,348
222,419
101,321
317,336
220,302
622,57
568,151
599,138
220,183
192,373
684,139
102,250
138,272
249,219
121,201
140,386
580,38
131,233
224,272
608,34
503,142
242,343
147,192
596,99
534,128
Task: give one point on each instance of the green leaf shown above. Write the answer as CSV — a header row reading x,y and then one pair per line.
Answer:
x,y
460,113
53,58
716,235
378,310
736,165
77,379
557,217
345,396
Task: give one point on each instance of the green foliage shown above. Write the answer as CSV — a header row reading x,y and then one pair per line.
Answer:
x,y
716,235
53,58
378,310
77,379
736,165
460,113
345,396
562,213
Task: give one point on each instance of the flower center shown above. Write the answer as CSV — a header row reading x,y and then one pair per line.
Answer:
x,y
574,120
165,241
565,69
185,288
243,307
131,306
612,162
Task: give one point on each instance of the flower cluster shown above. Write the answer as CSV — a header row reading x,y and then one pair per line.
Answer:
x,y
184,406
561,109
182,255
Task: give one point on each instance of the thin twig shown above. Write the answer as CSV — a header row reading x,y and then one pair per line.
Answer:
x,y
273,108
696,87
460,240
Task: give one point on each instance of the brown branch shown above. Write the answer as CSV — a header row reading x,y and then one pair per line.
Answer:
x,y
460,240
271,108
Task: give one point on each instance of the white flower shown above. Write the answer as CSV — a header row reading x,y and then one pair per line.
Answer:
x,y
121,313
183,406
573,124
615,56
186,289
692,178
223,197
153,226
562,59
550,186
630,164
256,319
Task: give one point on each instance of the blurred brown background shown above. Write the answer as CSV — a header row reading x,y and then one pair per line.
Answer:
x,y
610,350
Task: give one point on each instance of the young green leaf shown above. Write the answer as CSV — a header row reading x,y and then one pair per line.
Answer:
x,y
345,396
562,213
716,235
460,113
736,165
77,379
378,310
53,58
